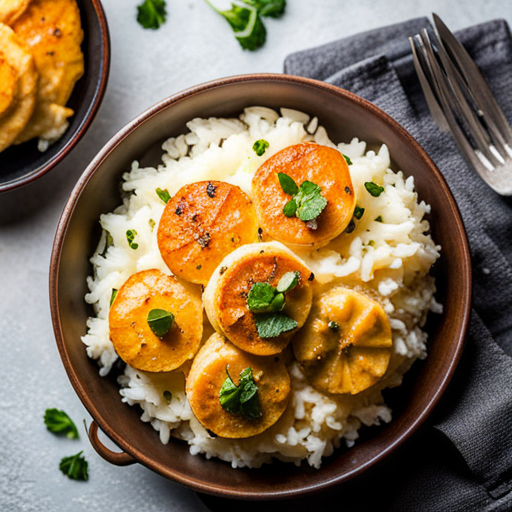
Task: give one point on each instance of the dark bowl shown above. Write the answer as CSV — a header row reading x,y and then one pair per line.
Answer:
x,y
22,164
344,115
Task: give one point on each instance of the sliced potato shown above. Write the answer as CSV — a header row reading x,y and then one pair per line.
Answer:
x,y
225,297
20,97
321,165
134,340
207,375
203,223
346,344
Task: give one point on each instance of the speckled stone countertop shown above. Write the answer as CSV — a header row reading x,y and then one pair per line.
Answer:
x,y
195,45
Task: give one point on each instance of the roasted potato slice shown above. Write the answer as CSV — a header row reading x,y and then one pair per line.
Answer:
x,y
132,336
203,223
210,369
346,344
225,297
303,162
19,85
11,10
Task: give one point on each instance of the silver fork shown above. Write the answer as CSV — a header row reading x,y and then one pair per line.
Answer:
x,y
462,103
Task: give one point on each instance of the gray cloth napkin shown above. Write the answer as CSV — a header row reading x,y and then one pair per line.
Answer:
x,y
462,460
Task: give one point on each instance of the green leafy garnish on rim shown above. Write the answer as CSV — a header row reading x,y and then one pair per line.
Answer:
x,y
307,202
60,423
242,399
373,189
75,467
163,195
260,146
160,321
151,14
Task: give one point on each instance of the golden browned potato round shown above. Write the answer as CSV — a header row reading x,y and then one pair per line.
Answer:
x,y
53,31
225,297
203,223
19,99
345,346
11,10
131,335
321,165
207,375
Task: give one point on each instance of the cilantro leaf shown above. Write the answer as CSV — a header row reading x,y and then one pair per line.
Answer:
x,y
271,325
347,159
287,184
358,212
260,146
373,189
160,321
260,297
75,467
163,195
59,422
151,14
242,399
288,281
269,8
246,24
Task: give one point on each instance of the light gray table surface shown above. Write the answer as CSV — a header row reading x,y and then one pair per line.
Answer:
x,y
194,45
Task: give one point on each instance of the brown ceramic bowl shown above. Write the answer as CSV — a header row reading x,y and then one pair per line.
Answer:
x,y
344,115
22,164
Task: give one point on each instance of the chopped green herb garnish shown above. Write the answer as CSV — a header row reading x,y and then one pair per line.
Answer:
x,y
59,422
130,237
113,296
333,326
163,195
271,325
358,212
288,281
347,159
268,8
351,226
167,395
242,399
260,146
152,223
379,218
160,321
151,13
307,202
371,243
246,24
374,189
75,467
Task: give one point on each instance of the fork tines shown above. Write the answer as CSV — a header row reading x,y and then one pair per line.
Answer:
x,y
461,102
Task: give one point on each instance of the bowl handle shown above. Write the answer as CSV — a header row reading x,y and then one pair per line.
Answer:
x,y
116,458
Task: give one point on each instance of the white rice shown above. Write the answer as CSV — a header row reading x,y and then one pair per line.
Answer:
x,y
390,259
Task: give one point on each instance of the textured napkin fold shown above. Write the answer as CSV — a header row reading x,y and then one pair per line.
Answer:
x,y
462,459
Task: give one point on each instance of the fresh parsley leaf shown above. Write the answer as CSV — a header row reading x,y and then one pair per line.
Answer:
x,y
160,321
347,159
113,296
379,219
287,184
151,13
163,195
290,208
75,467
271,325
260,146
269,8
288,281
130,237
59,422
333,326
242,399
358,212
246,24
260,297
373,189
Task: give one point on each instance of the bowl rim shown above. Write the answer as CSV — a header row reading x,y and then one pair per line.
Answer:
x,y
90,114
60,235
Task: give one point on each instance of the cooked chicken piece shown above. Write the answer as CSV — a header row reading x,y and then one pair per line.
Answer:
x,y
218,358
18,77
149,341
225,297
203,223
321,165
53,31
346,344
11,10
